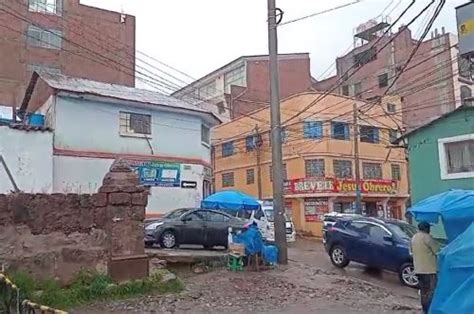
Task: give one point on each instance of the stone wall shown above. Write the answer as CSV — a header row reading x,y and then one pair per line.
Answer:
x,y
56,235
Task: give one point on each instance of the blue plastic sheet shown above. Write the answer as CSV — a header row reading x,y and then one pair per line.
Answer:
x,y
230,200
253,242
455,207
455,289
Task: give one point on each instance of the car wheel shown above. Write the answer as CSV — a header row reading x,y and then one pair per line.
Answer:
x,y
407,275
338,256
168,239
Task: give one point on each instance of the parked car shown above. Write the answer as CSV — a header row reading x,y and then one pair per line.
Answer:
x,y
191,226
330,219
378,243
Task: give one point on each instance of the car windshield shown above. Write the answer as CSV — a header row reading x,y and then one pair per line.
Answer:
x,y
402,229
269,215
176,213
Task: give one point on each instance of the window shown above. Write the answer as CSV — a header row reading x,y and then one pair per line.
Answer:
x,y
199,215
208,91
357,89
377,234
205,134
360,227
135,123
342,168
365,56
41,68
460,156
393,135
251,142
234,77
391,108
314,168
216,217
372,170
228,149
313,129
369,134
250,176
45,6
466,93
220,107
283,134
345,90
396,173
340,130
383,80
44,38
227,179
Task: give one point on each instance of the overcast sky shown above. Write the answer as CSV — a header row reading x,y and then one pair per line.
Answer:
x,y
197,37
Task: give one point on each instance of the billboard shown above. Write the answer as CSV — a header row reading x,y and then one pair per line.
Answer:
x,y
157,173
465,22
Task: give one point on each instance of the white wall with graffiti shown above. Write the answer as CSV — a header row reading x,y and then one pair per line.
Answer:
x,y
29,158
84,175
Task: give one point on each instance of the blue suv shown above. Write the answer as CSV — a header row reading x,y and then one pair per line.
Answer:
x,y
379,243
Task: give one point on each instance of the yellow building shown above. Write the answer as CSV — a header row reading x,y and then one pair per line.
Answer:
x,y
318,157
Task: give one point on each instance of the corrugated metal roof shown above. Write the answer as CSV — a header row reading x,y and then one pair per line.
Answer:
x,y
84,86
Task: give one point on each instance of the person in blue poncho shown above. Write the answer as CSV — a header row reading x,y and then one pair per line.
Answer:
x,y
424,249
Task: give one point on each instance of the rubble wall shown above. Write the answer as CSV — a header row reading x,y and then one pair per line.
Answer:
x,y
57,235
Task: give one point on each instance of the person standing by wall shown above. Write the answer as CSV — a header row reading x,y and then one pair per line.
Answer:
x,y
424,249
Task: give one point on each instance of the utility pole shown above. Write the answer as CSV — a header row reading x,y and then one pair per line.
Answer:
x,y
277,159
259,167
358,208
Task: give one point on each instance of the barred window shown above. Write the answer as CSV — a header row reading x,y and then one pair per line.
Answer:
x,y
135,123
314,168
372,170
227,179
342,168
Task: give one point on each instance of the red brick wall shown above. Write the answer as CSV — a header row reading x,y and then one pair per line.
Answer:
x,y
72,60
421,103
295,77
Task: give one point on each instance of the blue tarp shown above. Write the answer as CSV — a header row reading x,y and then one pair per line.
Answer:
x,y
455,289
230,200
252,240
455,207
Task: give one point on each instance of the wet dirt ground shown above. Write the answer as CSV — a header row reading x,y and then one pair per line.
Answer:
x,y
308,284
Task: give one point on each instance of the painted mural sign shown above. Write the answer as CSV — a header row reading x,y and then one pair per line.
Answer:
x,y
157,173
315,208
333,185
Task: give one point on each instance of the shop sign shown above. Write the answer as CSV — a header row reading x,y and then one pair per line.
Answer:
x,y
368,186
307,186
157,173
315,208
332,185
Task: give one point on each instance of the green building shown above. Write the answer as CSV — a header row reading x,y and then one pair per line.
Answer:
x,y
441,154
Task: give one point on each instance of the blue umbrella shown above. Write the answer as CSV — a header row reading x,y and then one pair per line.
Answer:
x,y
230,200
455,289
455,207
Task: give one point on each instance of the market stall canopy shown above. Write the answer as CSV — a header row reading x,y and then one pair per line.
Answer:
x,y
455,207
230,200
455,289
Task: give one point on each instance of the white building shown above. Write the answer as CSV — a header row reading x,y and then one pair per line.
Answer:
x,y
27,154
166,139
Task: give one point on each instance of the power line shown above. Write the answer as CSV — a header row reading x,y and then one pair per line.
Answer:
x,y
320,12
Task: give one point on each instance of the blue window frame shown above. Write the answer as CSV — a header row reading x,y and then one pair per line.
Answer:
x,y
228,149
340,131
313,129
251,142
369,134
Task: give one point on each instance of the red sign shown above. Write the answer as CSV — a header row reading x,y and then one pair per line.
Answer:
x,y
332,185
315,208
